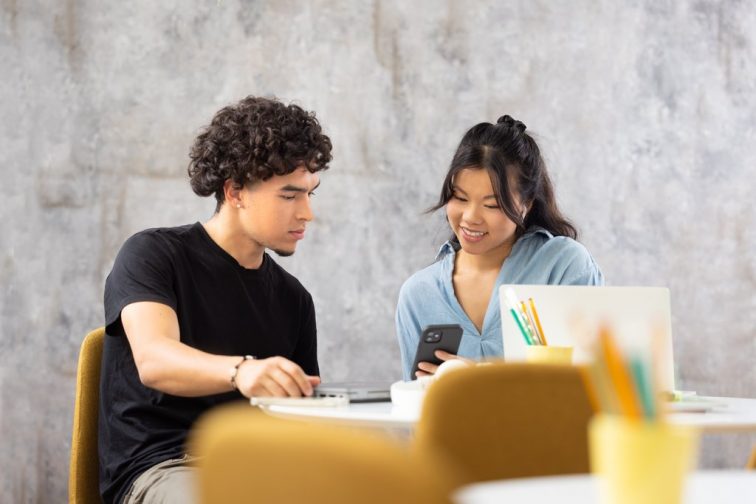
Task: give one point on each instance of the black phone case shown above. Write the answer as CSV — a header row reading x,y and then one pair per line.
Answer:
x,y
451,335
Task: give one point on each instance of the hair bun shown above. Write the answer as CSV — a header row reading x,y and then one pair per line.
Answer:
x,y
511,122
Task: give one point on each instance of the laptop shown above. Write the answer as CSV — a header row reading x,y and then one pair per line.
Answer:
x,y
371,391
572,316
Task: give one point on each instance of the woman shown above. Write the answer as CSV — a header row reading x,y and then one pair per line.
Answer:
x,y
507,229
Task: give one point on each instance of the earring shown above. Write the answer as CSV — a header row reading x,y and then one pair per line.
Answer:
x,y
238,205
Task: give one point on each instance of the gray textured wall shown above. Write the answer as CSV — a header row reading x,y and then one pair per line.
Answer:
x,y
645,110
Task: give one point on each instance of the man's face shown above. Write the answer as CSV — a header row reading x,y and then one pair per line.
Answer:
x,y
275,212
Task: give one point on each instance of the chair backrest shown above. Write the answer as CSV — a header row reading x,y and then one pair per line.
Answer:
x,y
83,476
507,421
246,456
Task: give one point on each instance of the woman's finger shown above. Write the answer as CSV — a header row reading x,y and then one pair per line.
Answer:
x,y
445,356
427,367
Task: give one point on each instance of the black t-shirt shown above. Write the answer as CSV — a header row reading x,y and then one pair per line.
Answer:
x,y
222,308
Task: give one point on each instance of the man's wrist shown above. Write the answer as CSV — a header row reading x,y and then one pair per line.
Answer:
x,y
234,371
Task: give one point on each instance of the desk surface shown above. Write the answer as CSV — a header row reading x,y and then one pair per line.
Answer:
x,y
377,414
729,414
722,487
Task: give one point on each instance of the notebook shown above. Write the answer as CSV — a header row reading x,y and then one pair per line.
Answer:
x,y
572,315
356,391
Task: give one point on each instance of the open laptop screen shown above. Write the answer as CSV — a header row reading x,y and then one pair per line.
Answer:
x,y
572,315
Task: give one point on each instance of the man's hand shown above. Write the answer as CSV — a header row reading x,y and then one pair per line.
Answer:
x,y
275,376
428,369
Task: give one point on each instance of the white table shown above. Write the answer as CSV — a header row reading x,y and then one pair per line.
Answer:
x,y
729,414
375,414
701,487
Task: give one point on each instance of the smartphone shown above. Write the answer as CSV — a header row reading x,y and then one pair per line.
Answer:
x,y
436,337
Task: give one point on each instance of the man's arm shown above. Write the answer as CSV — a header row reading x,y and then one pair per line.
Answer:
x,y
168,365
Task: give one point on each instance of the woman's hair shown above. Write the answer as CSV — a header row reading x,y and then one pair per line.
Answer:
x,y
512,158
254,140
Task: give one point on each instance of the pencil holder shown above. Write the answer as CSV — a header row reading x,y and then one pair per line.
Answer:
x,y
546,354
638,461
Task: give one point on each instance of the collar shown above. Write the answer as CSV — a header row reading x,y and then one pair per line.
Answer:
x,y
449,247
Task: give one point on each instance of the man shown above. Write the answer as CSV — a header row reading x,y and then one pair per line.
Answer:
x,y
198,314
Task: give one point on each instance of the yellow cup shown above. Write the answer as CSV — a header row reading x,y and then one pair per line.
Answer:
x,y
637,461
546,354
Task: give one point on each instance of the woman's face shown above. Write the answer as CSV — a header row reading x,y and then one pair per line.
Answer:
x,y
481,227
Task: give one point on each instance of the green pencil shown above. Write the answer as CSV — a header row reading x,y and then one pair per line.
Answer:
x,y
519,324
511,299
643,385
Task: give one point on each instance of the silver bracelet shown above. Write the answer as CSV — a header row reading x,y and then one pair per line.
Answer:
x,y
235,370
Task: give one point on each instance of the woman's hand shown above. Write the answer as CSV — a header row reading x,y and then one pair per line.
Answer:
x,y
429,369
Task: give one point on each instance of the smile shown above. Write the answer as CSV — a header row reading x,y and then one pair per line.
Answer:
x,y
472,235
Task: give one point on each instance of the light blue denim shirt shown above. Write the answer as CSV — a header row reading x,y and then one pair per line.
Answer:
x,y
427,297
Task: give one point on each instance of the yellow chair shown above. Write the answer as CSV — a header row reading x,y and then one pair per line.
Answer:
x,y
508,421
83,477
246,456
751,465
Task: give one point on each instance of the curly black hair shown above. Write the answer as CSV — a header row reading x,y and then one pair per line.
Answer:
x,y
254,140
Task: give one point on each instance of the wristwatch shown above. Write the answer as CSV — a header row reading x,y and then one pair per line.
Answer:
x,y
235,370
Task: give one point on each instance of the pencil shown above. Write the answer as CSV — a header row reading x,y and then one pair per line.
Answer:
x,y
619,375
604,388
591,383
519,324
643,386
511,300
529,324
538,321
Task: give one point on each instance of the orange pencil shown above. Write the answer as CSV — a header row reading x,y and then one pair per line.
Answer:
x,y
538,321
590,382
619,375
604,386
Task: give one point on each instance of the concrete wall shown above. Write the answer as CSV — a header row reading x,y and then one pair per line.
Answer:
x,y
645,111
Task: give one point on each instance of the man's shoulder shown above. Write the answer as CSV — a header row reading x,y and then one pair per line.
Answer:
x,y
283,278
160,239
165,234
